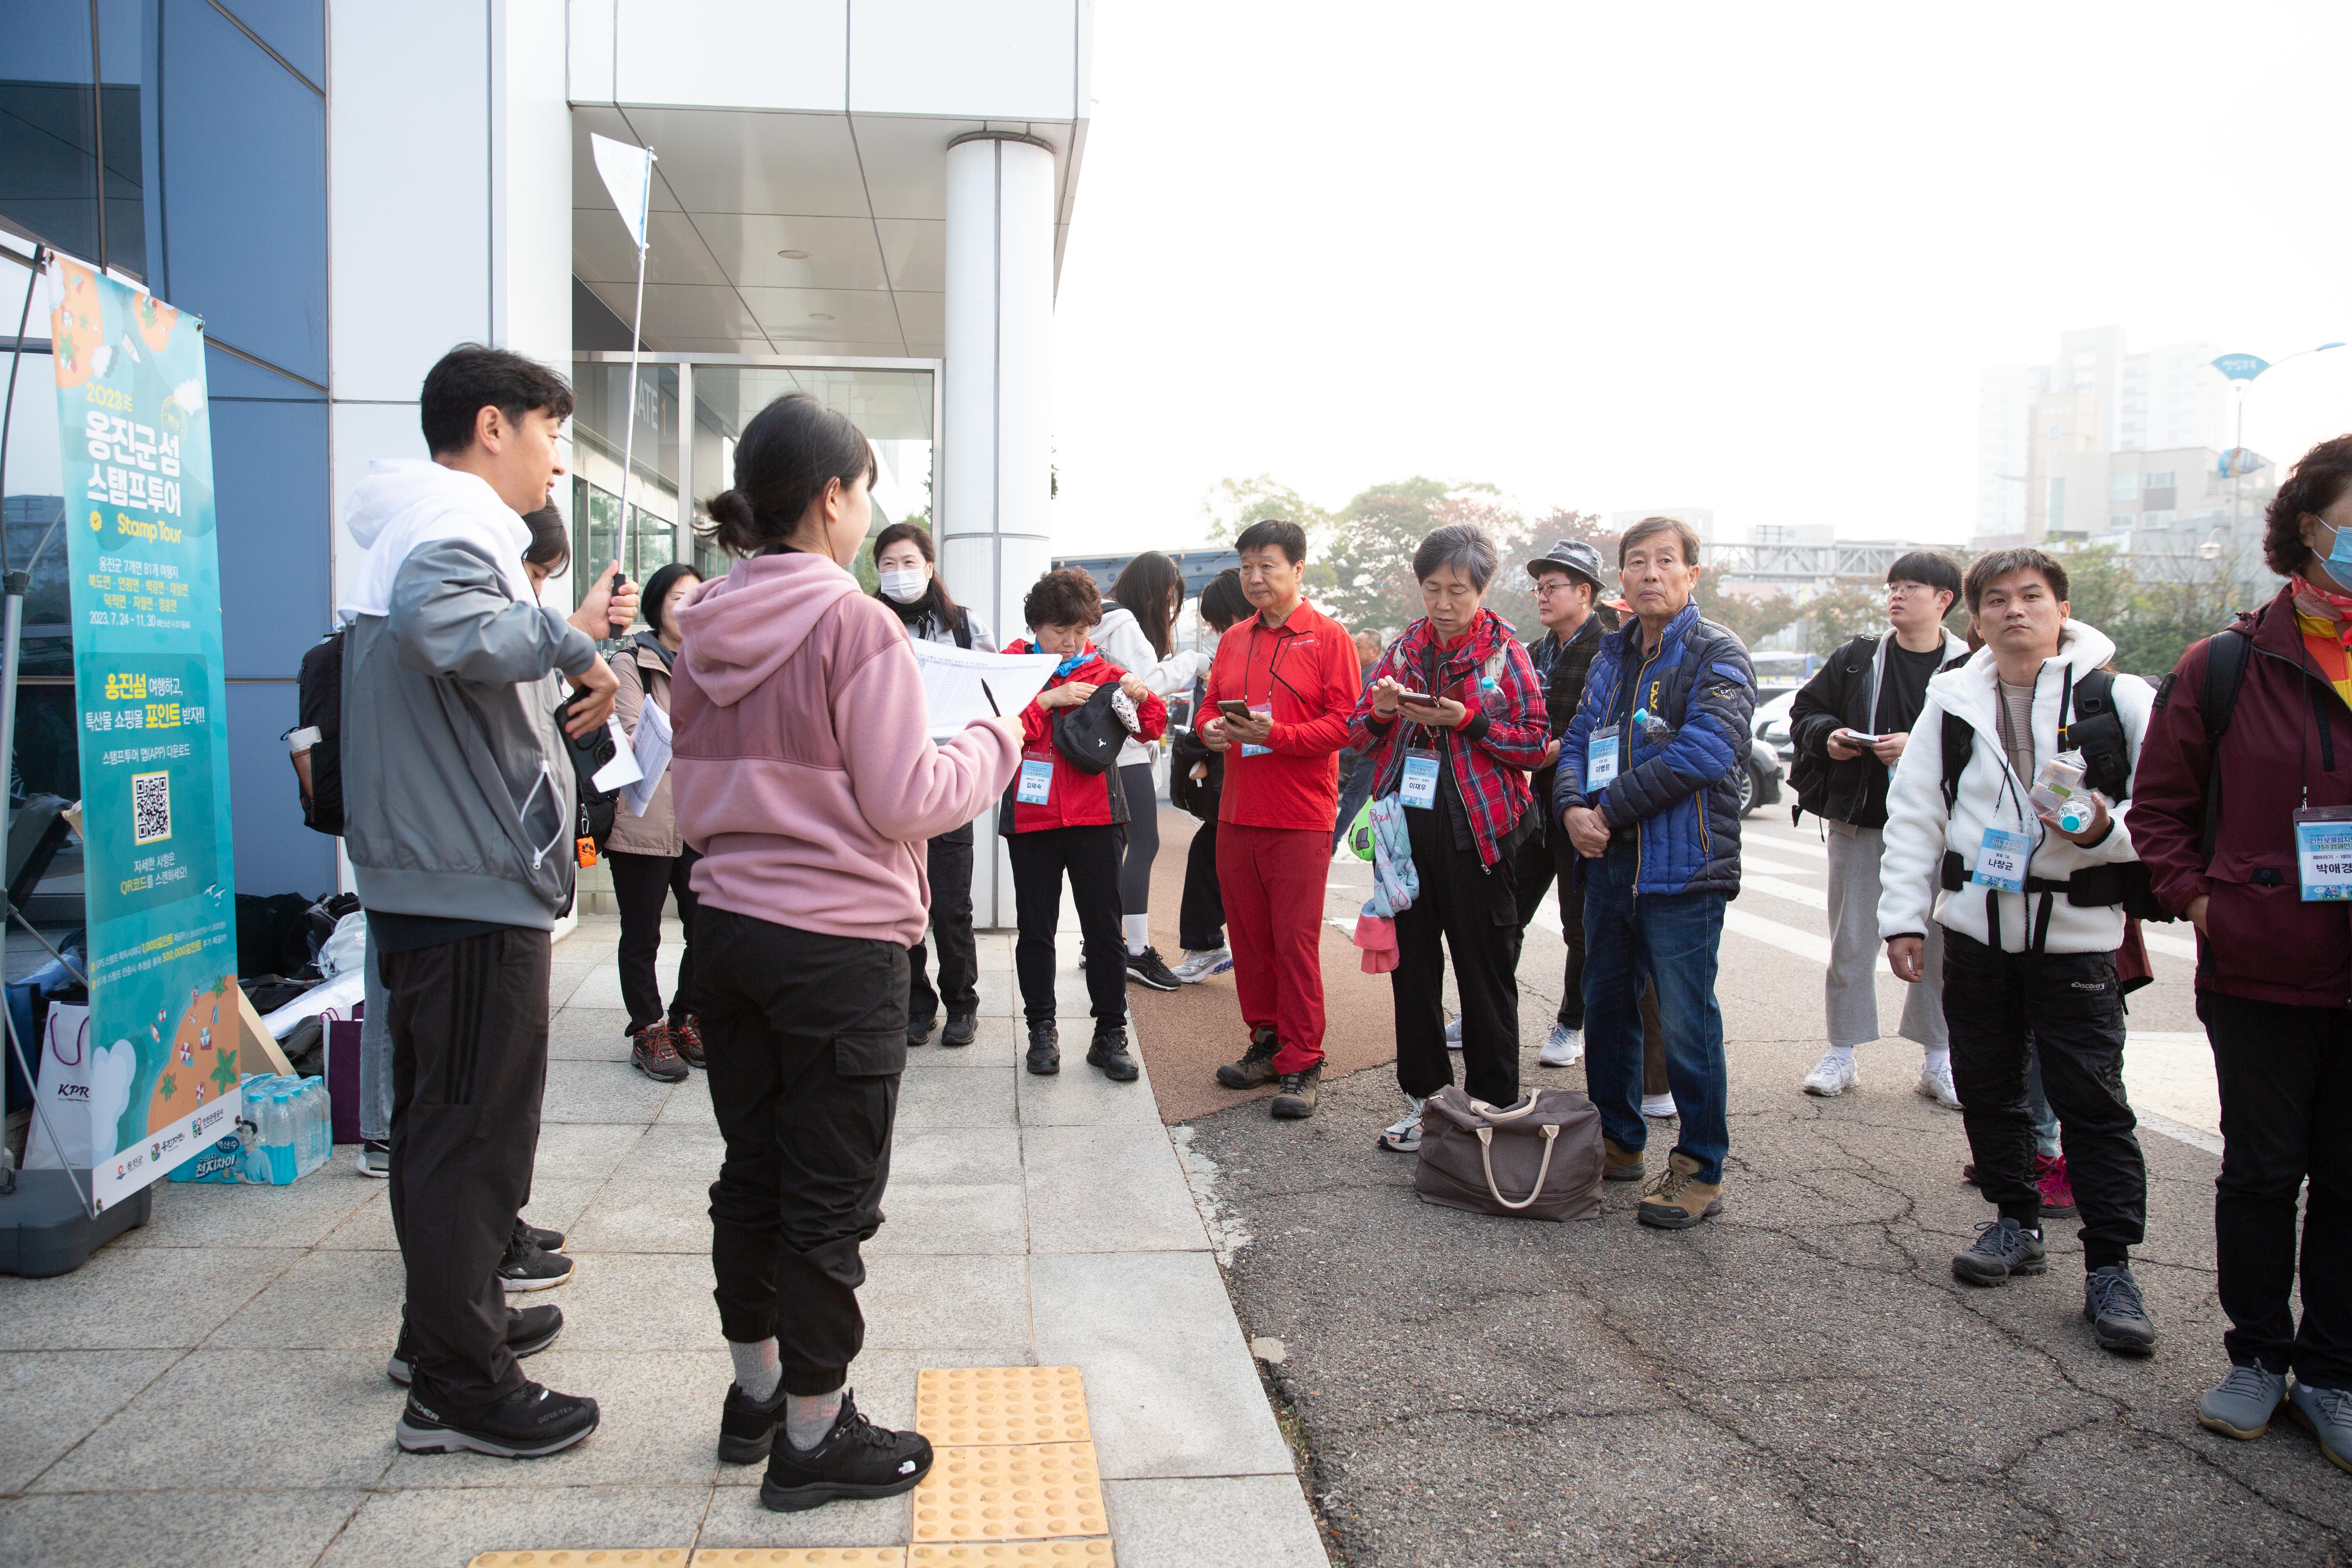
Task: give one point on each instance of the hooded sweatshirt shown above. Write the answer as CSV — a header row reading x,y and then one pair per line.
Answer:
x,y
801,772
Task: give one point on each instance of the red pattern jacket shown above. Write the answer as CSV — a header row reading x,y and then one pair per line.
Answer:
x,y
1074,799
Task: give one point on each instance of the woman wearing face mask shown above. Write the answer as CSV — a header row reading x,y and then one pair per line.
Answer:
x,y
910,584
649,861
1137,634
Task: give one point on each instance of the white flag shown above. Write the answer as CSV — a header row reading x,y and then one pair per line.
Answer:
x,y
629,175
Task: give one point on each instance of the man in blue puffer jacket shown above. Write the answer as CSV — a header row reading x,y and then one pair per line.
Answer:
x,y
1649,793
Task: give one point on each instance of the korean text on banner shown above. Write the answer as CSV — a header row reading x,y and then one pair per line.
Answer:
x,y
154,731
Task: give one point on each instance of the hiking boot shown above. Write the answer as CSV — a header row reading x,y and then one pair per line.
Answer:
x,y
2327,1415
747,1429
1678,1200
530,1329
2004,1247
1403,1135
1658,1107
530,1267
2240,1406
961,1027
855,1459
651,1053
545,1240
530,1422
686,1039
1199,966
1619,1164
1564,1048
1146,968
375,1159
1109,1052
1831,1076
2112,1306
1045,1050
1936,1083
918,1032
1295,1100
2056,1188
1257,1066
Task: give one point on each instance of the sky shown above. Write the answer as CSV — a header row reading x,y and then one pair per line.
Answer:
x,y
1615,257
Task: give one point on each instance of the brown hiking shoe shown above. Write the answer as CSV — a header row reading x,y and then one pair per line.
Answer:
x,y
1620,1165
1295,1103
1257,1066
686,1039
1678,1200
654,1055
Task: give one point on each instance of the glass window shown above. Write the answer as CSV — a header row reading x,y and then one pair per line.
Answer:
x,y
270,494
2122,487
127,55
48,760
296,29
2056,519
48,134
598,433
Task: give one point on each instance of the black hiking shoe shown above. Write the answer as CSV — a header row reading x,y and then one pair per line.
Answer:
x,y
1146,968
1045,1050
530,1267
920,1032
527,1424
2002,1247
855,1460
2112,1306
1295,1100
1257,1066
530,1329
747,1429
961,1027
1109,1053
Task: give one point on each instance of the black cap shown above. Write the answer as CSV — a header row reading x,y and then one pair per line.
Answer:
x,y
1572,555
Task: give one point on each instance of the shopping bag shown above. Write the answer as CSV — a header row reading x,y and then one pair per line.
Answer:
x,y
83,1092
1540,1158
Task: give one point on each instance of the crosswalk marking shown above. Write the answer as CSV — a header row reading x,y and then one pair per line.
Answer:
x,y
1753,862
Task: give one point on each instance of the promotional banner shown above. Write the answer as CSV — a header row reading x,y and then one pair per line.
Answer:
x,y
139,532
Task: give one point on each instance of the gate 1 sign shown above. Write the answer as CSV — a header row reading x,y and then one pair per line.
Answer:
x,y
138,474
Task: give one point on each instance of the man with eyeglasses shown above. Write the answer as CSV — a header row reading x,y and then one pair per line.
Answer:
x,y
1849,725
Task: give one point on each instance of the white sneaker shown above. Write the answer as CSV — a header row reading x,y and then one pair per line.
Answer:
x,y
1453,1035
1564,1049
1403,1134
1658,1105
1199,966
1935,1083
1831,1076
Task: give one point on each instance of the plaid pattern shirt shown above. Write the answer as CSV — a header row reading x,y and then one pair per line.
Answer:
x,y
1489,758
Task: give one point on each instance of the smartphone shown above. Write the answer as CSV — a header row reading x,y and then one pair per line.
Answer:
x,y
1233,709
1418,699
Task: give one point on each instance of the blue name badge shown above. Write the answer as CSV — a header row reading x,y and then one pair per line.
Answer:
x,y
2002,860
1419,786
1258,710
1600,759
2323,848
1037,781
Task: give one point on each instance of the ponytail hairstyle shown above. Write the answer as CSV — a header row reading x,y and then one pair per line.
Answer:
x,y
935,600
1144,587
784,461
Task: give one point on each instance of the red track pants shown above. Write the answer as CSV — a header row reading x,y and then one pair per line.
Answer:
x,y
1273,880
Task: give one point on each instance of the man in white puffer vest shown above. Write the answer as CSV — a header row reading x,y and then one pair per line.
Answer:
x,y
2033,914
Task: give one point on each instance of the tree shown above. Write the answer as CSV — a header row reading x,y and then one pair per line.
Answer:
x,y
1750,619
1843,612
1234,504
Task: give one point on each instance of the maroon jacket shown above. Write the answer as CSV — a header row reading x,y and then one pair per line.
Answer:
x,y
2266,944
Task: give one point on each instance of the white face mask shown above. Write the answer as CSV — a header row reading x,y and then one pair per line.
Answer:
x,y
906,584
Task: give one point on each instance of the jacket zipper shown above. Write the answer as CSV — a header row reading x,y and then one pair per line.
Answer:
x,y
1628,743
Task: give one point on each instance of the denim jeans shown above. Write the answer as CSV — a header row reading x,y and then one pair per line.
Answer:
x,y
1673,938
376,1055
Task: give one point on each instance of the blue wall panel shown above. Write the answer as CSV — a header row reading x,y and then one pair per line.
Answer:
x,y
275,853
269,476
296,29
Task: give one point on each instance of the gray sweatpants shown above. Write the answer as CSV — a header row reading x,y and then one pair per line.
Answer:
x,y
1851,988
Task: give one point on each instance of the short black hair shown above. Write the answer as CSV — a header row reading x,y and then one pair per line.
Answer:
x,y
1222,603
1997,563
2315,483
657,589
550,541
1274,533
1929,568
472,377
1066,597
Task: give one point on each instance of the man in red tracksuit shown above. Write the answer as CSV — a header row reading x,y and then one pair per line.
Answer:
x,y
1294,670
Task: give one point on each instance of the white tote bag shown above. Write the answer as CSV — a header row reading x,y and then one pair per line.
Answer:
x,y
83,1093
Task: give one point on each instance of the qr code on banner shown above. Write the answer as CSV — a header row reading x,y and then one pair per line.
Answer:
x,y
151,808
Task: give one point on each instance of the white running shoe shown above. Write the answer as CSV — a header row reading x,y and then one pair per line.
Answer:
x,y
1453,1034
1831,1076
1564,1049
1403,1134
1658,1105
1935,1084
1199,966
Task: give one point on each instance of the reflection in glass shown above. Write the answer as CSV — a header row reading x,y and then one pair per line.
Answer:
x,y
46,758
597,433
48,134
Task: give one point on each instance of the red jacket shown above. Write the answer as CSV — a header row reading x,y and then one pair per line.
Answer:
x,y
1307,669
1073,799
2266,944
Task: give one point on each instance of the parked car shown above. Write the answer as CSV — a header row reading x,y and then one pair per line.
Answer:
x,y
1761,785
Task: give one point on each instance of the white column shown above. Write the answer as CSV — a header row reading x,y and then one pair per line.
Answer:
x,y
996,452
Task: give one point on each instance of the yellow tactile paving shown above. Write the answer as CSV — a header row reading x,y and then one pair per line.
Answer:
x,y
792,1556
1093,1553
1030,1491
978,1406
582,1557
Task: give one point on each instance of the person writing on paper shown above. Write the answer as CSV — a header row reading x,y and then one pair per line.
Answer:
x,y
650,862
909,583
805,779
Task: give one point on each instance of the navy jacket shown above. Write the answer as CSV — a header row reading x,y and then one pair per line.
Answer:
x,y
1675,800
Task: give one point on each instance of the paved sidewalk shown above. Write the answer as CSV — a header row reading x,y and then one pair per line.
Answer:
x,y
211,1388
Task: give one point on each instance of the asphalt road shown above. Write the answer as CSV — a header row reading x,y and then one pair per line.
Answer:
x,y
1798,1381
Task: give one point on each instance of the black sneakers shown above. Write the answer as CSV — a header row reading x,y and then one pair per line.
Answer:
x,y
546,1240
961,1027
747,1429
918,1032
2002,1247
1146,968
2111,1305
1109,1052
530,1267
530,1329
1045,1050
856,1460
527,1424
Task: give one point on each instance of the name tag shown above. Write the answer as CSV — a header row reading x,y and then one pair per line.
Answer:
x,y
1420,784
1037,781
2002,860
1259,711
1600,759
2322,846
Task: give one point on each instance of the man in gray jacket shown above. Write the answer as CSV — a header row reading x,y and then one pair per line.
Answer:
x,y
460,812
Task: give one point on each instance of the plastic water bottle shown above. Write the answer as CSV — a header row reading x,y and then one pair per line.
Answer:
x,y
314,1103
277,1138
322,1107
256,1167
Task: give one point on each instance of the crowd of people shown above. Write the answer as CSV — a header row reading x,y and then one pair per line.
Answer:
x,y
1998,814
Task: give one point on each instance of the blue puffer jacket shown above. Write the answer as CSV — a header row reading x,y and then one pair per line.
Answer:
x,y
1676,800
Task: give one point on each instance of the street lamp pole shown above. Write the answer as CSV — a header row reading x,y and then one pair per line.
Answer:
x,y
2242,370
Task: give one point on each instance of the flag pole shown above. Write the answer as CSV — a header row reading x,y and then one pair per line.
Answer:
x,y
629,429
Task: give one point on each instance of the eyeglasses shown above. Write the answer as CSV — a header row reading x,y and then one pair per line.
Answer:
x,y
1897,590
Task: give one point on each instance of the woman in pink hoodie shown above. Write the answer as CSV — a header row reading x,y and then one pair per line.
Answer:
x,y
803,776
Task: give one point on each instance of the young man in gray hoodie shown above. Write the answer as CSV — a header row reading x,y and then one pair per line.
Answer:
x,y
459,814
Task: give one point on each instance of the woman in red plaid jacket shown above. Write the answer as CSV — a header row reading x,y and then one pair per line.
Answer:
x,y
1451,724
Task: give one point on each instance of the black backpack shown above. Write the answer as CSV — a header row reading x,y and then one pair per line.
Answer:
x,y
318,718
597,809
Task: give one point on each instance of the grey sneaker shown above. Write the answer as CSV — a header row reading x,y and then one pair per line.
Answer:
x,y
2240,1406
2327,1415
2002,1247
2111,1305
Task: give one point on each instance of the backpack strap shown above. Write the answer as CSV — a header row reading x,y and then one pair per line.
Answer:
x,y
963,630
2227,654
2097,732
1960,744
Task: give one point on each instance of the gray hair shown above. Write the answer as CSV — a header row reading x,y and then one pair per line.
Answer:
x,y
1465,545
